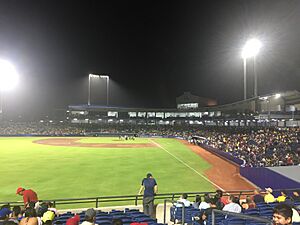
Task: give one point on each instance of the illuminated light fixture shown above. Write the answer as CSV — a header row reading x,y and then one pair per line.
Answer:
x,y
251,48
277,96
50,121
263,98
93,76
107,87
8,76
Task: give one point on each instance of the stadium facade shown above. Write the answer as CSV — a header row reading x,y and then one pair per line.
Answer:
x,y
280,109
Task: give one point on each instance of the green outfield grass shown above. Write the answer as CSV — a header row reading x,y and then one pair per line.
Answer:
x,y
73,172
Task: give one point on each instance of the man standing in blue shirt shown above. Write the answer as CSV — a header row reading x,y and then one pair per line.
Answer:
x,y
149,186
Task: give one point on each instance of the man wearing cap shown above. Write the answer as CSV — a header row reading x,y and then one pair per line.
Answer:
x,y
28,195
4,214
149,186
269,198
90,217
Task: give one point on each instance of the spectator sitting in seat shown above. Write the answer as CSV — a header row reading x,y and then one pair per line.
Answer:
x,y
16,215
205,204
233,205
220,200
4,214
30,217
257,197
282,197
248,204
295,218
197,202
282,215
201,219
48,217
52,208
296,196
224,199
269,198
90,217
183,199
73,220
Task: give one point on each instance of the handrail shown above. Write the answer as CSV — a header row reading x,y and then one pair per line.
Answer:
x,y
135,198
183,210
120,198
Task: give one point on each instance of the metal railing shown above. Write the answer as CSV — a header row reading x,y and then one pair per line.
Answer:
x,y
239,215
173,202
135,199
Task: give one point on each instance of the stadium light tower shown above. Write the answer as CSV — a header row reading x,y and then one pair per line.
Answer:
x,y
107,87
251,49
8,79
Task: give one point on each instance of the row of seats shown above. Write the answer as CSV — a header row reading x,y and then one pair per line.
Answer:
x,y
127,216
263,210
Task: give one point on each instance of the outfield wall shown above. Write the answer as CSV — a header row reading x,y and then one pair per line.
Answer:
x,y
284,177
267,177
289,171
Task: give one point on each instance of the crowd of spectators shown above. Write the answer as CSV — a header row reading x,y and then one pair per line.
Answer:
x,y
235,204
256,147
38,128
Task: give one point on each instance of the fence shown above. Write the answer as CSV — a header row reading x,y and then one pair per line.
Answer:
x,y
135,199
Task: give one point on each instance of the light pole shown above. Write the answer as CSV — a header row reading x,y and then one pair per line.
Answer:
x,y
8,80
107,87
251,49
245,78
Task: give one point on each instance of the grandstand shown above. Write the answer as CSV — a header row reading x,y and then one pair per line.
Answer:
x,y
279,109
257,138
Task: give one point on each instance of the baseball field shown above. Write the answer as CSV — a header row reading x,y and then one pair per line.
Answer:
x,y
87,167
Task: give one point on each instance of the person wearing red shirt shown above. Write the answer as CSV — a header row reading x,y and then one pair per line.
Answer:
x,y
29,196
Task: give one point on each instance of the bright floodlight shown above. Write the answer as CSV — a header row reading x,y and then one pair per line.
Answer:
x,y
8,75
251,48
277,95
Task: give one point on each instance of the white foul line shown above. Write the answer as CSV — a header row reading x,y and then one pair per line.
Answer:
x,y
158,145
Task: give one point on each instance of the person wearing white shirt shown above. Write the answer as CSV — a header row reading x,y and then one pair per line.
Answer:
x,y
233,205
205,203
183,199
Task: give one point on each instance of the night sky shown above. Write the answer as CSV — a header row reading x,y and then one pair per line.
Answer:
x,y
153,51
